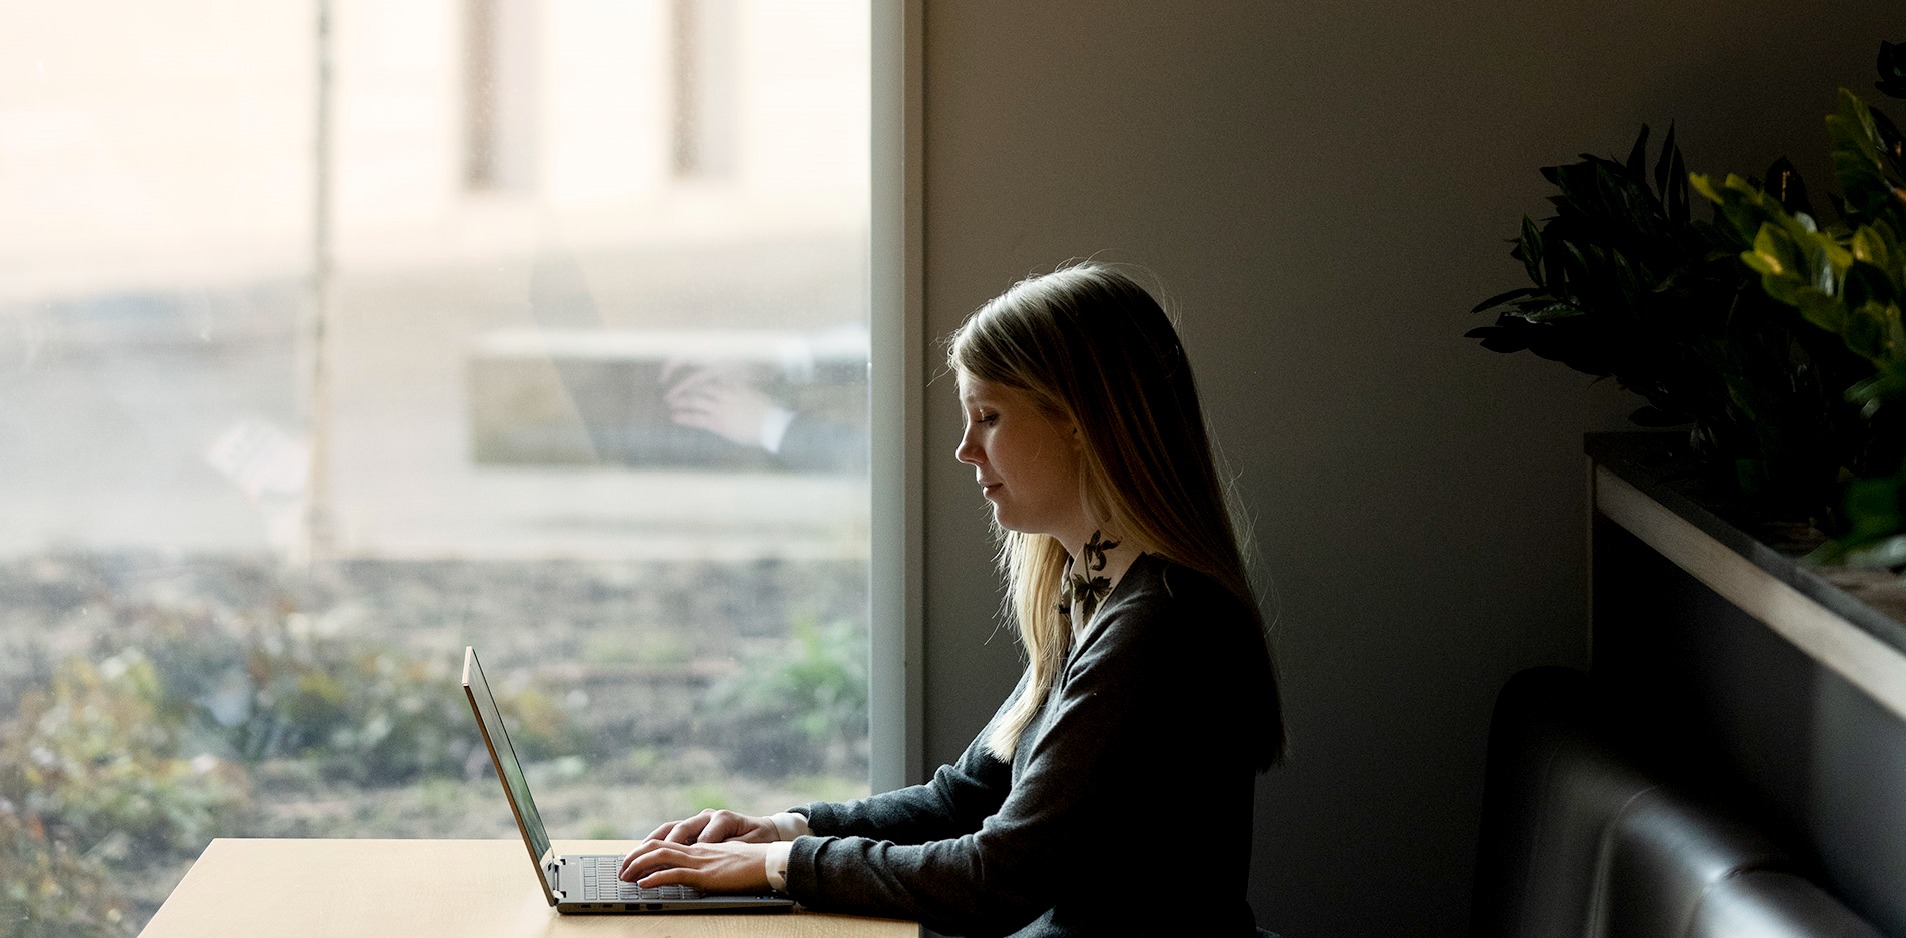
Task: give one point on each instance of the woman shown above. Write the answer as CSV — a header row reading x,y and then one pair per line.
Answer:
x,y
1141,632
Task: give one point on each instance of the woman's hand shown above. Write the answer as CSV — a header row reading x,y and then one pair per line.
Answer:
x,y
712,826
723,867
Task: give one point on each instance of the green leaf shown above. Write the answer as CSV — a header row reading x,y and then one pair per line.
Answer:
x,y
1638,156
1552,312
1703,184
1873,246
1667,168
1885,554
1530,247
1742,205
1675,196
1500,338
1857,162
1822,309
1889,384
1501,298
1824,259
1574,269
1774,253
1875,500
1866,334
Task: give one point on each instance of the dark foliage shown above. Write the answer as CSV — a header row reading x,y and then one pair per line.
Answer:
x,y
1629,285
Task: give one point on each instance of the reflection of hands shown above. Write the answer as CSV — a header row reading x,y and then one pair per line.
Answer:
x,y
722,398
712,826
733,866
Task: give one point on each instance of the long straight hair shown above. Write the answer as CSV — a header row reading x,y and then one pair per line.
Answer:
x,y
1091,346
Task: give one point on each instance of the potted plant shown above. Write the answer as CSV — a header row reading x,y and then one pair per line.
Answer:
x,y
1775,339
1848,279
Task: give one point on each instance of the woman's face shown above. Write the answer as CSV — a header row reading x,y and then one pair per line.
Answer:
x,y
1026,462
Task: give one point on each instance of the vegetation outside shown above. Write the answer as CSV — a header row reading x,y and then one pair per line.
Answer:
x,y
154,703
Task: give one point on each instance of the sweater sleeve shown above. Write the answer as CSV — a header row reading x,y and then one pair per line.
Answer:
x,y
954,802
1006,870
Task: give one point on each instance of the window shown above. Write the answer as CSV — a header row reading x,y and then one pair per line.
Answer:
x,y
335,338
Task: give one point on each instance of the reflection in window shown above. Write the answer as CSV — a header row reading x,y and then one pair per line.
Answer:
x,y
591,303
499,73
704,79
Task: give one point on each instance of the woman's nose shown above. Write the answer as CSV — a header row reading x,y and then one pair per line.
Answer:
x,y
967,452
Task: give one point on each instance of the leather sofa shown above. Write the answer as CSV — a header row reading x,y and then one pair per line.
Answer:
x,y
1579,841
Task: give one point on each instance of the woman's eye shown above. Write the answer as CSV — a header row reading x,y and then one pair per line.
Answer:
x,y
987,419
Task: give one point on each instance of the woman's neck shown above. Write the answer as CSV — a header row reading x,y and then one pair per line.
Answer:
x,y
1098,563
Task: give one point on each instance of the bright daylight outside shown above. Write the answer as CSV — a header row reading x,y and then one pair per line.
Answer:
x,y
337,335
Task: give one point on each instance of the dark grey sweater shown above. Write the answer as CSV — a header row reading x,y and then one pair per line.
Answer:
x,y
1117,783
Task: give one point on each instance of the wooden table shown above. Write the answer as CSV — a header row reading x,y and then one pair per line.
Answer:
x,y
463,888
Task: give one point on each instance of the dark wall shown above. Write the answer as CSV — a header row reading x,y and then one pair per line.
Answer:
x,y
1325,189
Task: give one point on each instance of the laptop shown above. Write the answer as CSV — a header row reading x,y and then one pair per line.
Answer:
x,y
582,884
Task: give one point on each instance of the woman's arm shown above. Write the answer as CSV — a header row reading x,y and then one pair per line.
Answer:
x,y
955,801
1104,746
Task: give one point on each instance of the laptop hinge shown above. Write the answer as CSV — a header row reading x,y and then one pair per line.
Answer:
x,y
554,872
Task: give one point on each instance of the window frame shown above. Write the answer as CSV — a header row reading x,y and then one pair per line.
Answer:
x,y
897,391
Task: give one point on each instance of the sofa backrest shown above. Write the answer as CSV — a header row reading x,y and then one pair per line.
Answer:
x,y
1580,842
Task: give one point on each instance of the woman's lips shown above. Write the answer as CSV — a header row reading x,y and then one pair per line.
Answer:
x,y
988,488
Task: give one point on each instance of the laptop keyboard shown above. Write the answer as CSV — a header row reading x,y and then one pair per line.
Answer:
x,y
599,883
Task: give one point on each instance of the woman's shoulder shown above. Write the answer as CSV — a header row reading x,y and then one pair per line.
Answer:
x,y
1170,625
1160,603
1157,583
1181,636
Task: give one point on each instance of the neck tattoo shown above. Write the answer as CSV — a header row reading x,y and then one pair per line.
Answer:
x,y
1083,589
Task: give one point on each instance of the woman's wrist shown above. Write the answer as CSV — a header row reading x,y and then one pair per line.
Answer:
x,y
776,863
789,825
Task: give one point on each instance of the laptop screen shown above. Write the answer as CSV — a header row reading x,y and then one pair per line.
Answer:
x,y
503,756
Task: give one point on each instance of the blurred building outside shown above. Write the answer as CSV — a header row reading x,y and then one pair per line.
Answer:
x,y
158,177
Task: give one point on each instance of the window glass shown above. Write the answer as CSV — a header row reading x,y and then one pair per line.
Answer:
x,y
336,337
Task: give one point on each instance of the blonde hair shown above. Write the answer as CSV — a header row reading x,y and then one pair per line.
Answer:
x,y
1091,346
